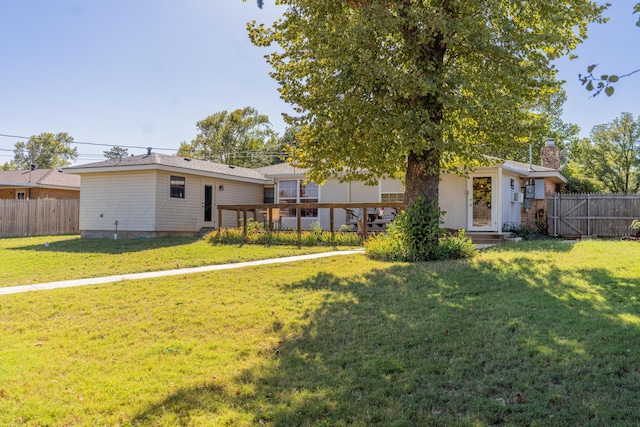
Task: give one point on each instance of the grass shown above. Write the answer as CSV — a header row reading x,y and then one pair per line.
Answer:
x,y
539,333
28,261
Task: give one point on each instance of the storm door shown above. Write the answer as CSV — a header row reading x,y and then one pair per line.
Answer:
x,y
482,200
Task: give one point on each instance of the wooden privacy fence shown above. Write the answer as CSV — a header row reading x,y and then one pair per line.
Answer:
x,y
39,217
592,215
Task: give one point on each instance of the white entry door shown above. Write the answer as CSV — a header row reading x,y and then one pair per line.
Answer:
x,y
482,203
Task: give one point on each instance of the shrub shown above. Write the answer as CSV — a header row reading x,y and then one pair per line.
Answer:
x,y
257,234
416,236
527,232
387,246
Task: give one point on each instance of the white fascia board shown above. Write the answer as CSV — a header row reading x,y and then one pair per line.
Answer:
x,y
18,184
551,174
520,171
175,169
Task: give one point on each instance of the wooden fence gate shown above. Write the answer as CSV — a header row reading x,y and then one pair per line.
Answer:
x,y
39,217
575,215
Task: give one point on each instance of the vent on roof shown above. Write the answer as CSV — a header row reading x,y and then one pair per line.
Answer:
x,y
186,159
231,167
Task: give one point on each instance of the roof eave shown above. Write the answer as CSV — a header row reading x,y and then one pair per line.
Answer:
x,y
167,168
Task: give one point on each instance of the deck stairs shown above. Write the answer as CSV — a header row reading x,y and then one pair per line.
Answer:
x,y
486,237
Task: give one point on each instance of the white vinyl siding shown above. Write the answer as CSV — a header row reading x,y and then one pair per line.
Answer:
x,y
364,193
127,197
333,191
235,193
178,214
453,200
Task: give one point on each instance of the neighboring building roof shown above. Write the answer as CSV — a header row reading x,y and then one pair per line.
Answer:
x,y
534,171
170,163
280,170
45,178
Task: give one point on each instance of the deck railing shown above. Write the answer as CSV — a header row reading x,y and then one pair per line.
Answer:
x,y
269,207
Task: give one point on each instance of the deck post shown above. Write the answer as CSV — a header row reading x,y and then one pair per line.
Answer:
x,y
299,223
365,222
244,224
270,218
331,221
219,219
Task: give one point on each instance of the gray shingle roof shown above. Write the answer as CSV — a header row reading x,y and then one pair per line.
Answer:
x,y
281,169
40,177
172,161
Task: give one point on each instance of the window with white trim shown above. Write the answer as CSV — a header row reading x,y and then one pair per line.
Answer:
x,y
20,195
296,191
177,184
392,197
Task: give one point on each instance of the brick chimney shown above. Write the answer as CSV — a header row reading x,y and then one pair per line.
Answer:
x,y
550,155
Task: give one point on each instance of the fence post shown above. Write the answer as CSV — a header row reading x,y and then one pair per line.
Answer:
x,y
588,215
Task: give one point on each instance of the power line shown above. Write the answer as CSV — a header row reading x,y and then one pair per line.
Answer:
x,y
96,143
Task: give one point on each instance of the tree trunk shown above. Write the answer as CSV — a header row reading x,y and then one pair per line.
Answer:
x,y
422,177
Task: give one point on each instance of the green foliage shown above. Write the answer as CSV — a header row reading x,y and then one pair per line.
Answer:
x,y
635,224
373,82
257,234
45,151
415,235
581,185
8,166
419,227
241,138
527,232
387,246
116,152
611,157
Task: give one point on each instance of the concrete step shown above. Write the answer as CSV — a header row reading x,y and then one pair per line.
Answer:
x,y
486,237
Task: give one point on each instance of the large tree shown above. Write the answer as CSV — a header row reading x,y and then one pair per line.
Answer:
x,y
604,82
549,125
45,151
611,157
416,86
116,152
242,137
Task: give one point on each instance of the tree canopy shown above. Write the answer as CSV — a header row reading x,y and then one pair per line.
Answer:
x,y
611,157
45,151
604,83
242,137
116,152
415,87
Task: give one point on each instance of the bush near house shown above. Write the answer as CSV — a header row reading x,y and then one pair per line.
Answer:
x,y
257,234
416,235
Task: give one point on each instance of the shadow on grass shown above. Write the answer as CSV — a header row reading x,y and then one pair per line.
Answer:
x,y
464,343
108,246
547,245
177,409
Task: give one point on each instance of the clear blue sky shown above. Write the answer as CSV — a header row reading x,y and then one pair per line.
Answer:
x,y
143,72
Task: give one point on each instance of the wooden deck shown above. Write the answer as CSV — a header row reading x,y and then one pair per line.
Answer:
x,y
269,207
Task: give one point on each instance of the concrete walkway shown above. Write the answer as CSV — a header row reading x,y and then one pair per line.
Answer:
x,y
176,272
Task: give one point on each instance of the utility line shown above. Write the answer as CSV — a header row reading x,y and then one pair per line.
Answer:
x,y
96,143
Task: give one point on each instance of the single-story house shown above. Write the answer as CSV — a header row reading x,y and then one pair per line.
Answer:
x,y
155,195
38,184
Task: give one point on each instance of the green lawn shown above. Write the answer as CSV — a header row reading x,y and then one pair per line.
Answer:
x,y
538,333
27,260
